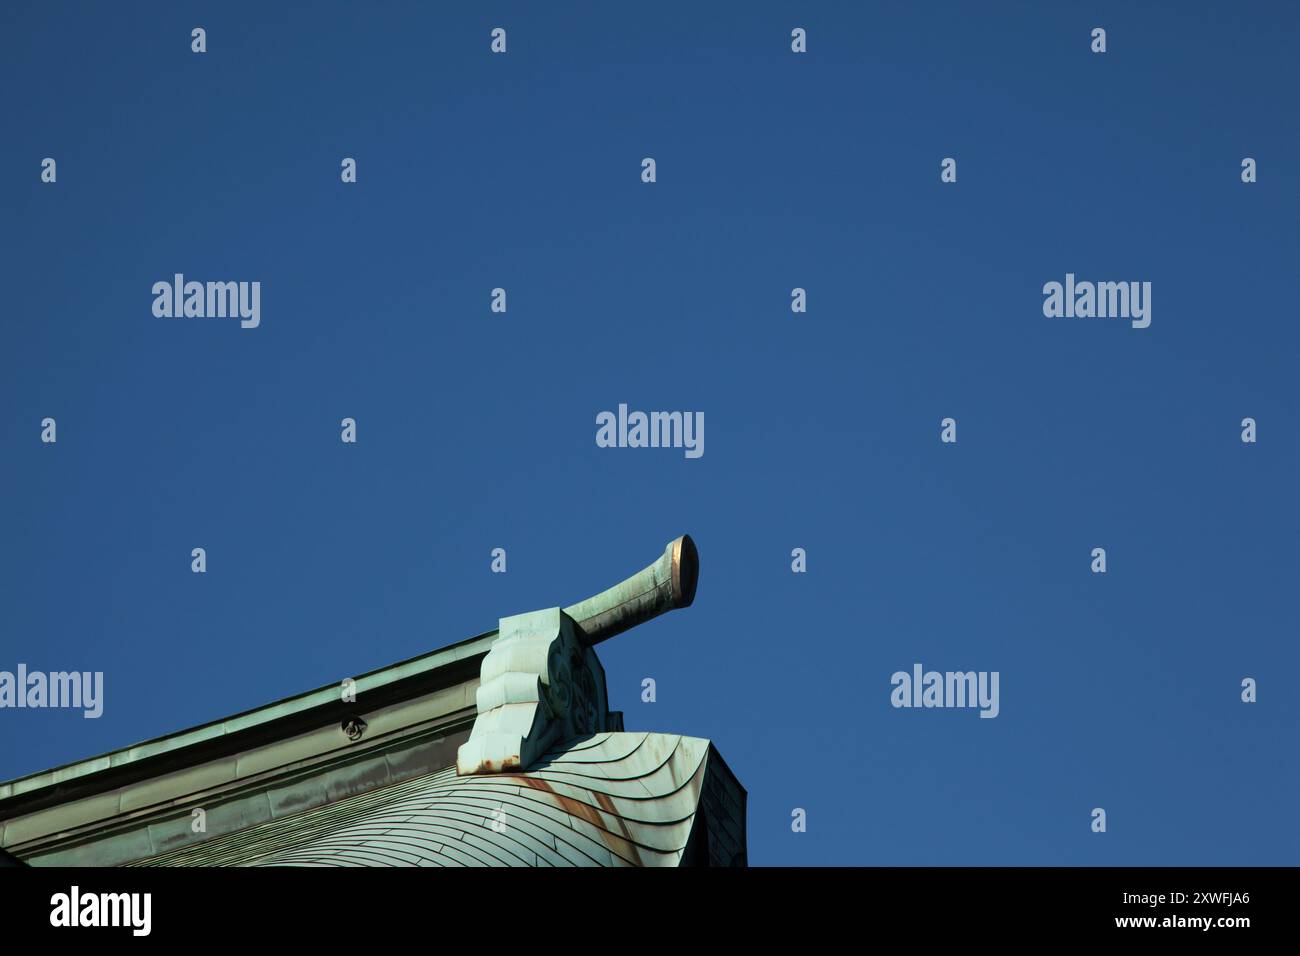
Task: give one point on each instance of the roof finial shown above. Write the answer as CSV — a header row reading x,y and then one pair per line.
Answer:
x,y
664,586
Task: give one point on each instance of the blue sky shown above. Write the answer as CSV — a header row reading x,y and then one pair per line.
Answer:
x,y
476,430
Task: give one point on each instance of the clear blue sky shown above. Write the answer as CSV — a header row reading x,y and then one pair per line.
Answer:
x,y
477,430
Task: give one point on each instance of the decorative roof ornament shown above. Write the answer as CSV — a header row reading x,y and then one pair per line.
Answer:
x,y
541,683
496,750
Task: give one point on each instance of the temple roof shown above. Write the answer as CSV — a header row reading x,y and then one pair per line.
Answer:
x,y
614,799
277,716
499,749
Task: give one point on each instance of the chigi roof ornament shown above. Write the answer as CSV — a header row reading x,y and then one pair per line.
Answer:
x,y
541,682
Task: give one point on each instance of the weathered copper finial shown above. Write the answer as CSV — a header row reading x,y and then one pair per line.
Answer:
x,y
664,586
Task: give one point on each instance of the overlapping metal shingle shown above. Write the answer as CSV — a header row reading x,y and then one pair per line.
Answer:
x,y
612,799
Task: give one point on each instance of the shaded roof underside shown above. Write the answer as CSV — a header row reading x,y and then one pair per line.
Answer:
x,y
177,745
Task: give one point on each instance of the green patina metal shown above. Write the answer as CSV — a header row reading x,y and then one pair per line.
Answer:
x,y
496,750
666,585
